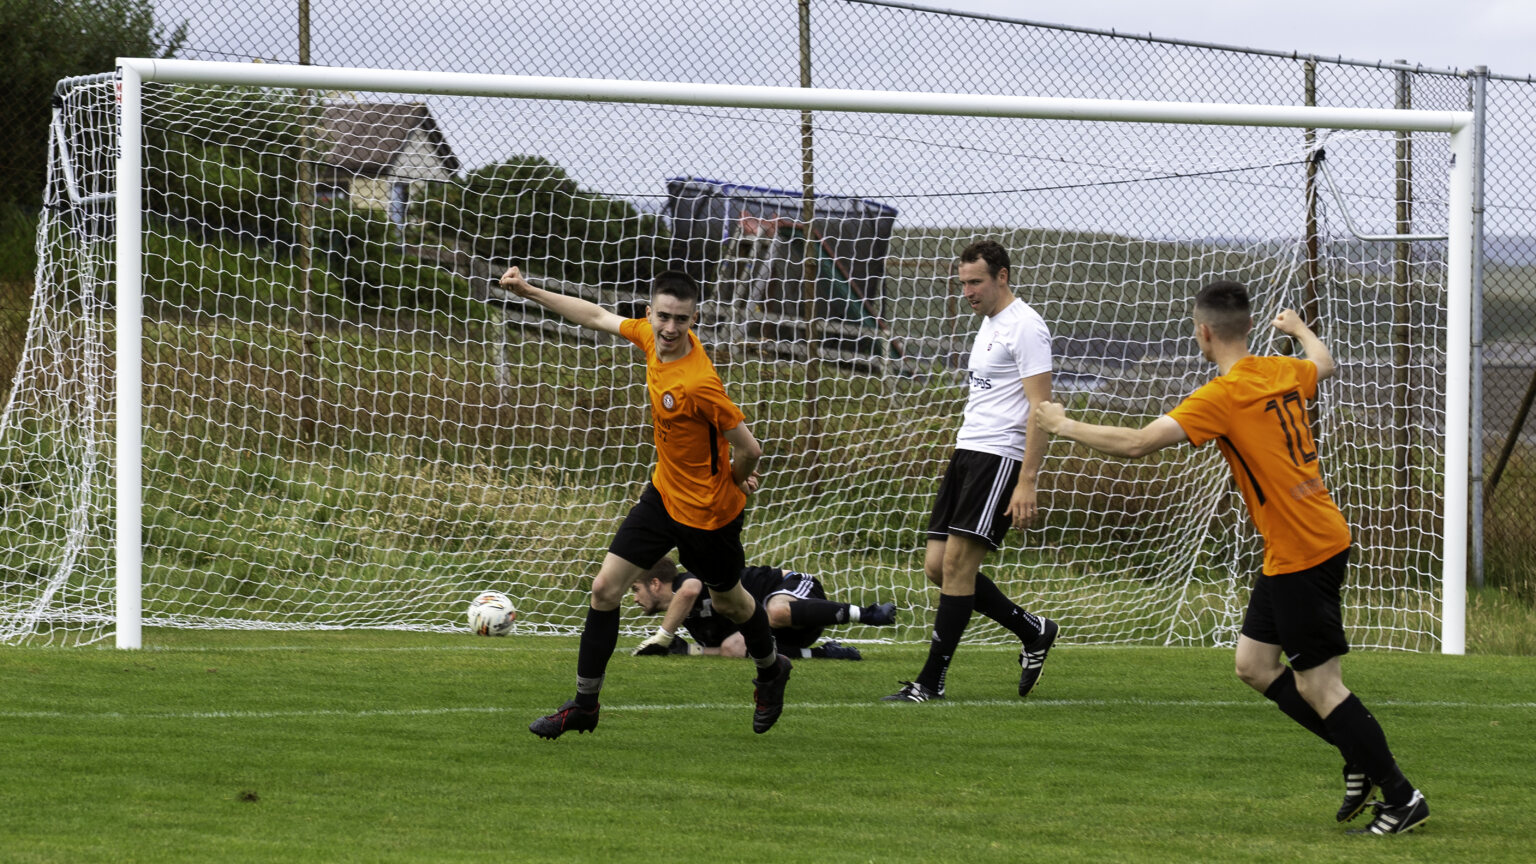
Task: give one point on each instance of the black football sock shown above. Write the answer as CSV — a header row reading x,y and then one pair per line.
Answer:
x,y
993,603
817,613
1283,693
1365,745
598,639
760,643
949,624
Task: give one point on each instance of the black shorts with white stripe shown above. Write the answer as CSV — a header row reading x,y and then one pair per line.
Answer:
x,y
797,586
973,498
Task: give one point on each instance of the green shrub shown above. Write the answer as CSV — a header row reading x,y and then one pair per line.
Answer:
x,y
529,211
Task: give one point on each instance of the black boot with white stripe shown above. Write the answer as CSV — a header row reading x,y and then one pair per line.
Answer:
x,y
1357,793
1397,820
1032,658
911,691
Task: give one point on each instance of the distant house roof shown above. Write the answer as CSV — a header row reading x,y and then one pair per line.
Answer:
x,y
367,136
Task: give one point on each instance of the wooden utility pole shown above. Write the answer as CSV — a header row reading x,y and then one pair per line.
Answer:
x,y
309,366
1309,300
810,311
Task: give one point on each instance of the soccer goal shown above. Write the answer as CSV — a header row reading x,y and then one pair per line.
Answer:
x,y
269,382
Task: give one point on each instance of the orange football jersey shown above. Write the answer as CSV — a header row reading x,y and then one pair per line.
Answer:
x,y
1257,415
690,414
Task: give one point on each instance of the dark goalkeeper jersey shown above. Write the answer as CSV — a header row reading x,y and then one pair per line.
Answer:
x,y
710,628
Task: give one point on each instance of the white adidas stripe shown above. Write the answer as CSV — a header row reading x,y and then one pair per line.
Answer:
x,y
1004,467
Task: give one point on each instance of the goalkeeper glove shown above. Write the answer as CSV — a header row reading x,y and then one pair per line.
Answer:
x,y
683,647
659,644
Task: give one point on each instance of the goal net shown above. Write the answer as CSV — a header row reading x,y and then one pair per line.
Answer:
x,y
345,424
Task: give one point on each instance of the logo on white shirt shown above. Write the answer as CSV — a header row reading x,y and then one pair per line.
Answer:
x,y
997,409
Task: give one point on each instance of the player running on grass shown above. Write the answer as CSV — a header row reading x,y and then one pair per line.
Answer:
x,y
1256,412
796,603
706,467
990,483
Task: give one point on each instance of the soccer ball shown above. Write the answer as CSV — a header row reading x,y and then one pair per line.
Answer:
x,y
491,614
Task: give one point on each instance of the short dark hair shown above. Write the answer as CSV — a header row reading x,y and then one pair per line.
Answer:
x,y
1223,306
675,283
664,570
989,251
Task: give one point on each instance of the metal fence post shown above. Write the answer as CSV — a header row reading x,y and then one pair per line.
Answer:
x,y
1479,92
1309,297
1402,252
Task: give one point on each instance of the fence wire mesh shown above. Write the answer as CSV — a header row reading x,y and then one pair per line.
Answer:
x,y
865,44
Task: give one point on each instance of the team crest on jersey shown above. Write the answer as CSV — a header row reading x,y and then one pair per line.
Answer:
x,y
668,402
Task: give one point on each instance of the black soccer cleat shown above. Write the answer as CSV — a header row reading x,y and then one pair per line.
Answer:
x,y
911,691
878,615
1032,658
1397,820
570,718
768,697
837,651
1357,793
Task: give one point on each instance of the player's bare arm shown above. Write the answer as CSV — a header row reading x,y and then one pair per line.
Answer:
x,y
581,312
682,603
1114,440
745,455
734,645
1024,505
1290,324
671,620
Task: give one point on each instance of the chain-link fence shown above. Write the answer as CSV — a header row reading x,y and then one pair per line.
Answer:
x,y
865,44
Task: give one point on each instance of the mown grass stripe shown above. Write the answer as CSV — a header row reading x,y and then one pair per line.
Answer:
x,y
729,706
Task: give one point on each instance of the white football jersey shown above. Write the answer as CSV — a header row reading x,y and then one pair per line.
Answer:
x,y
1012,345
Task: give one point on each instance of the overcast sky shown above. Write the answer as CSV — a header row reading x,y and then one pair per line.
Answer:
x,y
1500,34
631,153
1437,33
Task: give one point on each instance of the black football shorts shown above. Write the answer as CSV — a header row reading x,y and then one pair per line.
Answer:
x,y
973,498
1301,612
649,532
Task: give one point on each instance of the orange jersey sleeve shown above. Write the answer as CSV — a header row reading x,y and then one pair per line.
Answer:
x,y
1257,414
690,414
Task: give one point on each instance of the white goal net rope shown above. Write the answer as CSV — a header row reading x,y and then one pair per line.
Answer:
x,y
346,426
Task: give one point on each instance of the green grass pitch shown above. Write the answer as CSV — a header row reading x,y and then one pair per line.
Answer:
x,y
372,747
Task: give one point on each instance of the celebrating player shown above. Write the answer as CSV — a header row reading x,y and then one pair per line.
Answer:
x,y
797,606
990,483
706,467
1256,412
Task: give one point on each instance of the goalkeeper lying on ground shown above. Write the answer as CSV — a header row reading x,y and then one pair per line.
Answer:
x,y
797,606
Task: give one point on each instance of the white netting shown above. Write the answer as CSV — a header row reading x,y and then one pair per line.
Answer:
x,y
345,426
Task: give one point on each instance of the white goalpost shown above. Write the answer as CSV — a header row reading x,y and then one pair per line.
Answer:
x,y
317,415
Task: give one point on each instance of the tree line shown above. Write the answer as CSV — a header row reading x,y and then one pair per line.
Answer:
x,y
236,171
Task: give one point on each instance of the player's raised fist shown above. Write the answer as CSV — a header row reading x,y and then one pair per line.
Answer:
x,y
1288,322
513,281
1050,416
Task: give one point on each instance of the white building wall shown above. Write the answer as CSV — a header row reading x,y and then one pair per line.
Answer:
x,y
417,163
